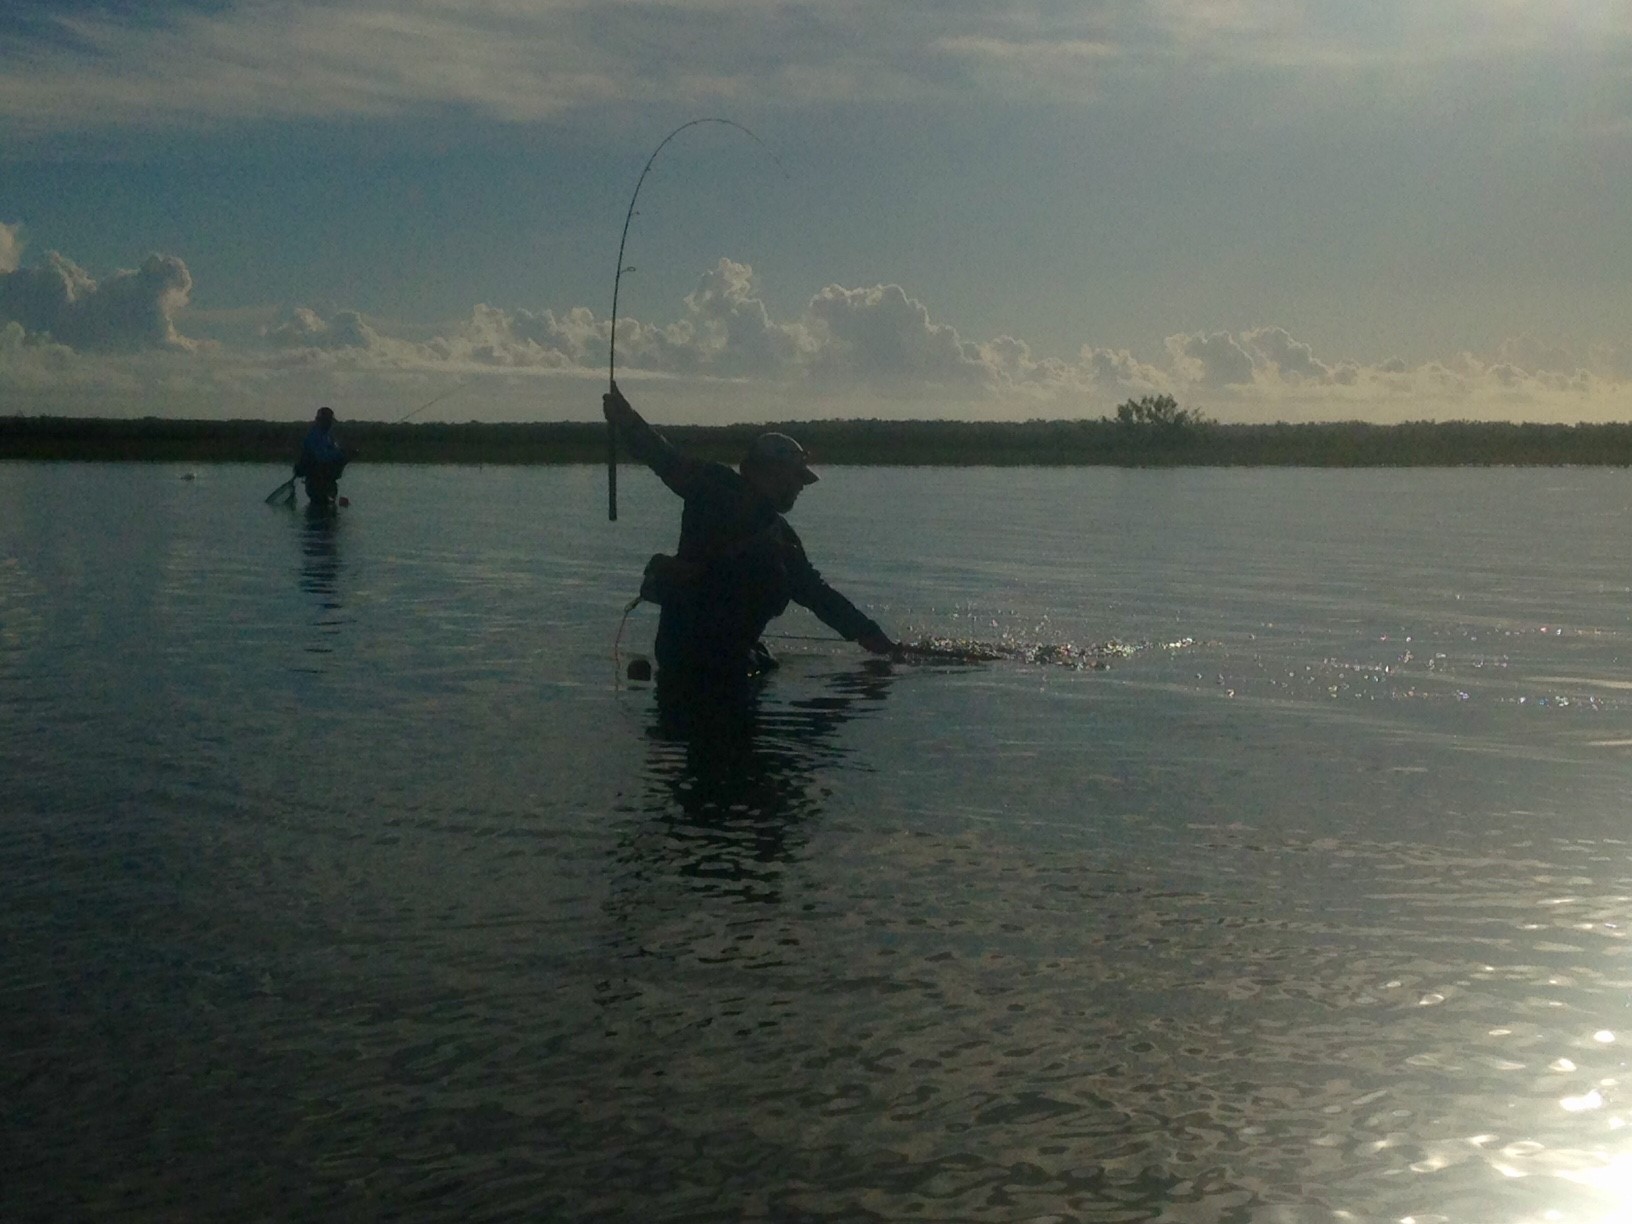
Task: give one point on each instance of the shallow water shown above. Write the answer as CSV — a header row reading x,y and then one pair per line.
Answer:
x,y
341,877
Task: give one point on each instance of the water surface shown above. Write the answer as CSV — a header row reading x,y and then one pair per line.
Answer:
x,y
341,877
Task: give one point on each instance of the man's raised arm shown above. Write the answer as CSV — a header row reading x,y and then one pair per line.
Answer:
x,y
647,445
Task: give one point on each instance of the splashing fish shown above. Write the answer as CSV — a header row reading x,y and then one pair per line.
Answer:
x,y
1093,656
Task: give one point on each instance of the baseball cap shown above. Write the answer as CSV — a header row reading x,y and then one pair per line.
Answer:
x,y
779,448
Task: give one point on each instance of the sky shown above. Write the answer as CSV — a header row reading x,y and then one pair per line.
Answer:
x,y
973,209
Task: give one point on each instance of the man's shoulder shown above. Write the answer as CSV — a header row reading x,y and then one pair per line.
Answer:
x,y
713,478
722,472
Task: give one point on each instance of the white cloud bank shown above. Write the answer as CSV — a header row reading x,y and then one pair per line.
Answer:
x,y
131,310
70,343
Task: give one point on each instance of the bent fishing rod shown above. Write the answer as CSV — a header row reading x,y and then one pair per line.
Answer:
x,y
617,281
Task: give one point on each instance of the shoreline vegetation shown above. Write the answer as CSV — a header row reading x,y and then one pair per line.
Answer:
x,y
1148,433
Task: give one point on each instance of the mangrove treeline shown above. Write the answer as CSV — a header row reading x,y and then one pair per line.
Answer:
x,y
1107,441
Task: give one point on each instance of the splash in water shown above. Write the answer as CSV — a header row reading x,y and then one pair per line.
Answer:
x,y
1095,655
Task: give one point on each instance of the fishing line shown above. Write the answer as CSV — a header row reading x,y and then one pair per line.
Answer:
x,y
617,281
437,399
617,641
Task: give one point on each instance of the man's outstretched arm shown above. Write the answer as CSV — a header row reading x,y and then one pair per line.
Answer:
x,y
647,445
831,608
839,614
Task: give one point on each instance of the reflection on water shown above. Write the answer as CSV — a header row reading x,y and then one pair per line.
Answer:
x,y
320,552
732,784
320,571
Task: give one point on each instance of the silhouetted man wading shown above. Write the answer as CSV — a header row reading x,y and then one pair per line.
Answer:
x,y
738,563
321,459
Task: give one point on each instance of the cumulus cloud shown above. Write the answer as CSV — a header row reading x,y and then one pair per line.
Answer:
x,y
33,357
518,340
734,329
305,328
882,335
11,247
491,337
877,336
1117,371
1267,374
131,310
1291,359
71,343
854,339
1211,361
1529,353
852,343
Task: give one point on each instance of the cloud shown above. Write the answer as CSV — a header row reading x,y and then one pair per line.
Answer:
x,y
531,62
1117,371
1211,361
1067,62
11,247
849,338
289,60
305,328
1273,346
515,62
734,329
1532,354
866,337
490,337
869,346
520,340
1522,380
882,335
32,358
69,343
132,309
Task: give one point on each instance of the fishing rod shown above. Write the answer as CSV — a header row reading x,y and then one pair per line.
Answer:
x,y
617,281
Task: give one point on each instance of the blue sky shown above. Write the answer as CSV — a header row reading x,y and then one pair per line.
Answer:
x,y
1271,209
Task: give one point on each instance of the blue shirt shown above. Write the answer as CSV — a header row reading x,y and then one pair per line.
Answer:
x,y
319,446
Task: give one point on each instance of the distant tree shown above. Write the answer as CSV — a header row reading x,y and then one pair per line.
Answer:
x,y
1159,412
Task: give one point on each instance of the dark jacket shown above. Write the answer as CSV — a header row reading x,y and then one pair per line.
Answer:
x,y
738,565
319,449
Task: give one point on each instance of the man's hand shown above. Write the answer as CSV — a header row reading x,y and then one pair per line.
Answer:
x,y
615,407
877,643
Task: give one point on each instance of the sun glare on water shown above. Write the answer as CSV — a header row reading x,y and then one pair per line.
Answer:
x,y
1603,1173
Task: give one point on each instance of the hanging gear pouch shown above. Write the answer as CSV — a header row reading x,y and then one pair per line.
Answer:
x,y
666,578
